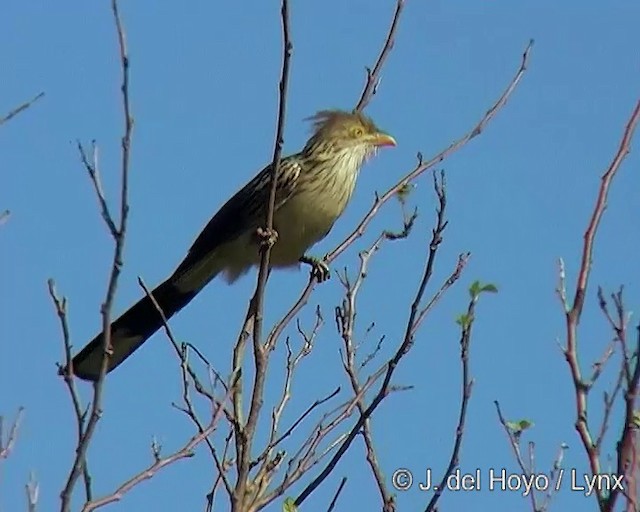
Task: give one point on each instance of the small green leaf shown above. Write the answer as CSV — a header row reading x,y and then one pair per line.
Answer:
x,y
477,288
464,320
474,289
519,426
289,505
525,424
489,287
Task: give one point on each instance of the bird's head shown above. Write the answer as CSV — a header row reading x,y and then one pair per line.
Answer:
x,y
336,131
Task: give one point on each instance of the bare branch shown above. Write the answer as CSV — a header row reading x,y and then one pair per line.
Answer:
x,y
467,385
373,76
6,445
80,412
345,316
423,166
180,351
391,365
573,313
598,211
337,494
159,463
92,167
32,490
245,434
119,237
20,108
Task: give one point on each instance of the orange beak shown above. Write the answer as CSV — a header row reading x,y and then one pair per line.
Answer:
x,y
383,139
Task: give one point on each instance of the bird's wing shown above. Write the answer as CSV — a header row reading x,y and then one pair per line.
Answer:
x,y
246,210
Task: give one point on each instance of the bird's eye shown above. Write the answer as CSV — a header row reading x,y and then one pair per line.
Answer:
x,y
357,131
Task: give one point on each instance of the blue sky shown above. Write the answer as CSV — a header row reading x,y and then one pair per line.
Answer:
x,y
204,95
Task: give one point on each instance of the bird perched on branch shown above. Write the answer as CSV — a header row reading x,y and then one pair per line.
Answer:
x,y
313,188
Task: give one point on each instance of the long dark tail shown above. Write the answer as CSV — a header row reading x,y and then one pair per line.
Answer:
x,y
131,330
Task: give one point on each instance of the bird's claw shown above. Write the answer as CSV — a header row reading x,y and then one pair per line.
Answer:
x,y
319,269
268,237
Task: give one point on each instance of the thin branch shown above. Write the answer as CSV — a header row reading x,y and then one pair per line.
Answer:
x,y
79,411
6,445
467,386
299,420
515,446
529,471
573,313
188,372
609,400
337,494
93,169
119,238
306,456
598,210
628,443
244,441
392,363
345,316
20,108
555,477
176,346
373,76
158,464
423,166
32,490
291,366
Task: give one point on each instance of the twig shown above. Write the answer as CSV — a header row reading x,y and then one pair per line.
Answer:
x,y
244,439
573,313
467,386
92,167
555,474
306,456
158,464
345,320
176,346
299,420
79,411
6,445
515,446
291,365
188,372
628,444
423,166
119,238
390,366
598,210
373,76
32,490
20,108
337,494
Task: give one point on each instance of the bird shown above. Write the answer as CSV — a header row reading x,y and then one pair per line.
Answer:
x,y
313,188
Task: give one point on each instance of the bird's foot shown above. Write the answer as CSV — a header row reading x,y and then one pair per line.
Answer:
x,y
267,237
319,269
